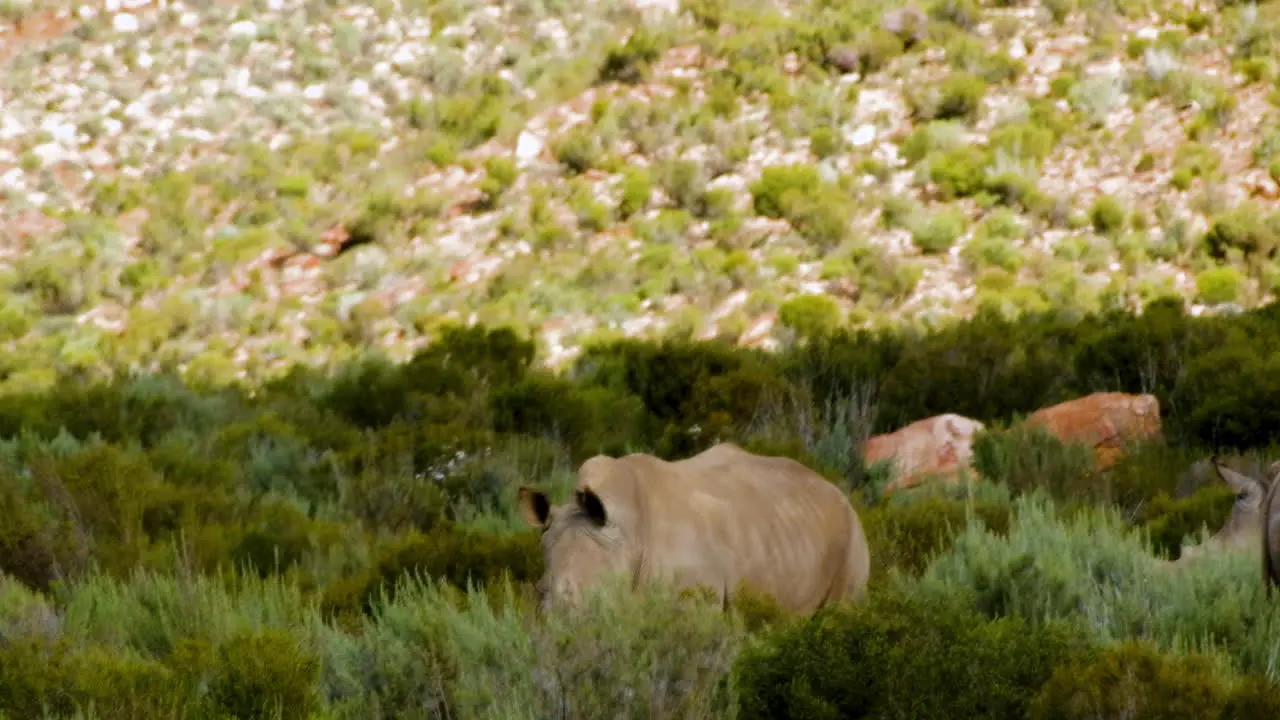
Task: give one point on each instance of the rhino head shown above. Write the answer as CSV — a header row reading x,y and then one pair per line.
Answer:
x,y
1241,527
583,541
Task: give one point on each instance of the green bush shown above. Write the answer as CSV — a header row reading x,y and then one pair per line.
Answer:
x,y
960,172
1170,523
939,232
1029,457
1247,229
457,556
1107,215
1133,681
1219,284
810,315
818,210
265,674
901,655
907,535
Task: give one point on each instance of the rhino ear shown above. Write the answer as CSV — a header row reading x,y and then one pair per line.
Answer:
x,y
591,506
534,506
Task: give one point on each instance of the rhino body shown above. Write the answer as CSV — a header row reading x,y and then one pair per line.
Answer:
x,y
1271,532
722,517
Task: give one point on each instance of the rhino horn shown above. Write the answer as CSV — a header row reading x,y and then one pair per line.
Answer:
x,y
1241,483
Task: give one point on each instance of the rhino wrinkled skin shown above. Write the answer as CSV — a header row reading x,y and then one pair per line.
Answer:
x,y
722,517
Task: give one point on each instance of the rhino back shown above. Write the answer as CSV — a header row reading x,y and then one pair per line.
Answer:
x,y
727,516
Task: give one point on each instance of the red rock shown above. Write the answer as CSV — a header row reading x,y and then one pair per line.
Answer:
x,y
1107,421
940,445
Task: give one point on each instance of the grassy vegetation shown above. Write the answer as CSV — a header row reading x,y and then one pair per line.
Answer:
x,y
256,461
346,544
497,161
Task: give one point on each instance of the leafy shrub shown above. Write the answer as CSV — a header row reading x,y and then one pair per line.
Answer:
x,y
959,172
453,555
1219,284
797,193
939,232
629,62
1022,140
906,535
1246,229
1029,457
1170,523
265,674
901,655
959,96
1131,680
772,194
810,315
1107,215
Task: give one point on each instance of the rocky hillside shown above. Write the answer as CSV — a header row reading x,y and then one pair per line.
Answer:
x,y
229,187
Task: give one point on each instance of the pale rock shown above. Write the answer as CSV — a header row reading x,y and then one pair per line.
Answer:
x,y
188,20
314,92
359,88
50,153
243,28
145,61
124,23
864,135
12,178
111,6
528,147
827,171
382,69
97,157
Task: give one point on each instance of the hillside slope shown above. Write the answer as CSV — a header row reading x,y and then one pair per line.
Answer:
x,y
231,187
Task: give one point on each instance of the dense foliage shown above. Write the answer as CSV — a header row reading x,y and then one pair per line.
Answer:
x,y
304,549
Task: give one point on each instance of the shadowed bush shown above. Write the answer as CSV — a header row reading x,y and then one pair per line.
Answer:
x,y
901,656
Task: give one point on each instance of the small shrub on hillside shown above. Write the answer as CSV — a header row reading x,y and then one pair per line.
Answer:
x,y
929,137
810,315
1023,140
1219,284
825,142
938,232
960,171
1107,215
578,149
636,188
958,97
1247,229
778,183
629,62
819,210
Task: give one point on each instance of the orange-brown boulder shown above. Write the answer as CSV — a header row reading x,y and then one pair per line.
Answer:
x,y
940,445
1107,421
